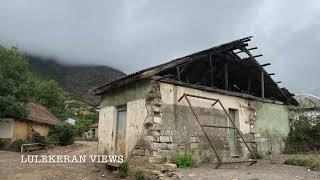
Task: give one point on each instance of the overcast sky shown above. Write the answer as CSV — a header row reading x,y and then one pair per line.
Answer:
x,y
132,35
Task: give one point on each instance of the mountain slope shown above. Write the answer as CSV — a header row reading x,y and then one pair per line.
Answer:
x,y
77,79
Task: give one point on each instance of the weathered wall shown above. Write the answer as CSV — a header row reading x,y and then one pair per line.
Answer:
x,y
186,134
22,129
158,126
133,96
41,129
6,127
271,126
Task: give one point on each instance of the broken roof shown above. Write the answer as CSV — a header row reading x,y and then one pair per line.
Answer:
x,y
39,113
244,75
95,125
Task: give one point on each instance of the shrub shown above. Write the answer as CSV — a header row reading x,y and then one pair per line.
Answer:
x,y
182,161
16,145
256,154
64,133
37,138
2,143
304,135
139,175
304,162
123,169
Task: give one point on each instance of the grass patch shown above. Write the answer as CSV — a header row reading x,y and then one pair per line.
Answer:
x,y
256,154
183,161
123,169
139,175
309,163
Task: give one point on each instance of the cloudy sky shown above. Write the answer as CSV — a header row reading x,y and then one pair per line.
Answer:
x,y
131,35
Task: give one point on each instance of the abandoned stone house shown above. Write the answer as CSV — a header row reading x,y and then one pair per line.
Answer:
x,y
191,104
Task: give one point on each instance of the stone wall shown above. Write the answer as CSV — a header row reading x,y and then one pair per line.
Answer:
x,y
158,126
170,127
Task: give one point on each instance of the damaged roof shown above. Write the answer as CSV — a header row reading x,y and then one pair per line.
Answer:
x,y
228,68
40,114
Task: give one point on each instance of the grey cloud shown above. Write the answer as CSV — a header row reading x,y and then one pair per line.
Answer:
x,y
131,35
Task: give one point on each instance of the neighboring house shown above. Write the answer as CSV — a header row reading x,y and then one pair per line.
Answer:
x,y
71,121
39,119
146,114
309,106
94,130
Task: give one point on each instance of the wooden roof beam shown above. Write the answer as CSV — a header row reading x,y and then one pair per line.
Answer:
x,y
266,64
248,49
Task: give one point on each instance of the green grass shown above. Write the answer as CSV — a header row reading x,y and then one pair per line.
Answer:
x,y
139,175
309,163
123,169
183,161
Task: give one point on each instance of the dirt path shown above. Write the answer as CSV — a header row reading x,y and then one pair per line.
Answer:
x,y
263,170
11,167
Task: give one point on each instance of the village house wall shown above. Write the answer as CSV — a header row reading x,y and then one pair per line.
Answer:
x,y
6,127
177,131
133,96
158,126
271,126
22,129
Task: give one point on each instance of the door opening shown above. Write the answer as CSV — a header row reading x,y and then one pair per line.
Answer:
x,y
121,130
232,132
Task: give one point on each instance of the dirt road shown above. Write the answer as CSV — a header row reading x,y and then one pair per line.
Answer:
x,y
263,170
12,168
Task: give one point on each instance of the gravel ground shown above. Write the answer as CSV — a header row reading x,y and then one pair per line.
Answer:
x,y
263,170
11,168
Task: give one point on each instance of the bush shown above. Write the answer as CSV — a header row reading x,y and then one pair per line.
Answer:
x,y
139,175
64,133
2,143
256,154
16,145
304,162
304,135
123,169
37,138
182,161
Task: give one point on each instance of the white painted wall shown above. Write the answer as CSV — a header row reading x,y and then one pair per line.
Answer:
x,y
136,114
171,93
106,134
6,127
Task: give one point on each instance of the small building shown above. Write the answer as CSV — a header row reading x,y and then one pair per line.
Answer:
x,y
39,119
216,102
94,130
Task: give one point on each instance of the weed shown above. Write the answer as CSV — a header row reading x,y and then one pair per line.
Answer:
x,y
314,165
123,169
256,155
182,161
16,145
139,175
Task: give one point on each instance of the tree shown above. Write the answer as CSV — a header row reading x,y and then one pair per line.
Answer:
x,y
18,86
15,84
63,133
83,123
51,95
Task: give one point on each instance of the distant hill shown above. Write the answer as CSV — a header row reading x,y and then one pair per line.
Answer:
x,y
77,79
308,100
